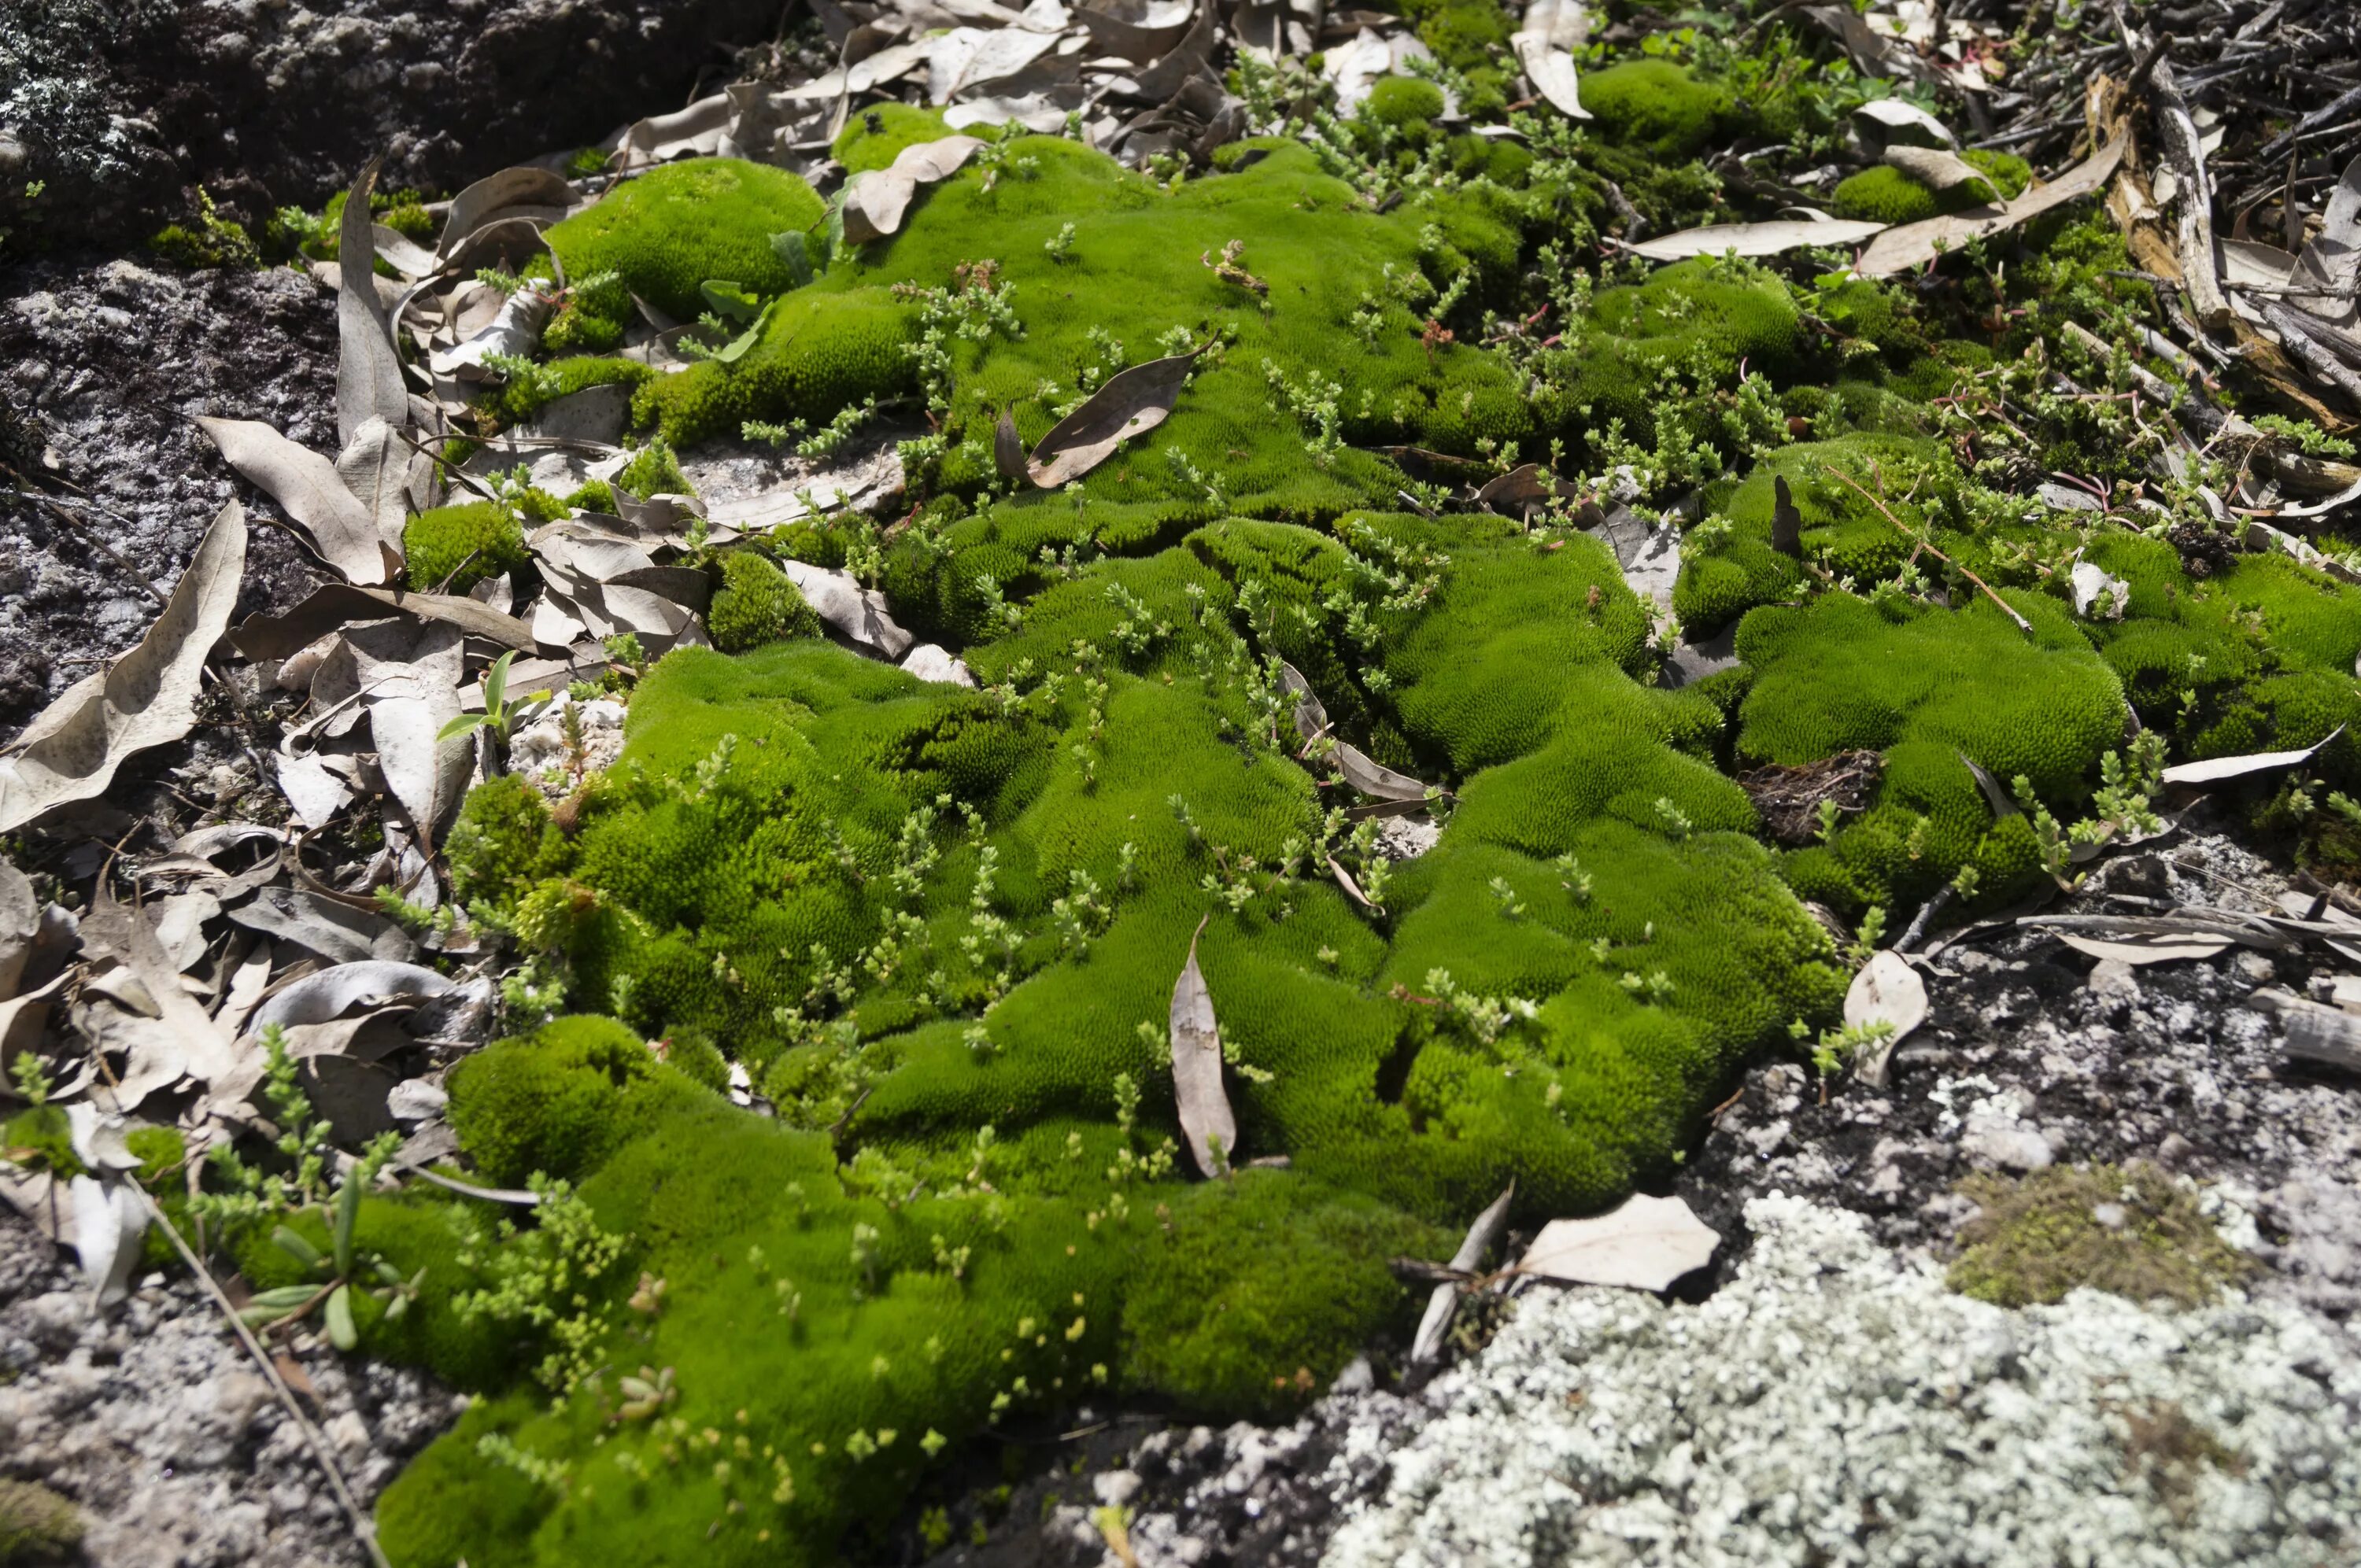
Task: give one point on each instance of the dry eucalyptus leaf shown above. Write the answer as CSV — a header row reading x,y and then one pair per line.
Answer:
x,y
369,367
20,923
855,613
1938,168
1886,122
1646,1244
875,200
2220,770
1344,880
410,673
1148,33
2004,806
331,993
336,932
110,1218
2089,580
1551,71
22,1017
340,604
1566,23
128,934
1786,522
1310,716
1915,245
375,466
402,253
1007,447
513,331
479,203
1755,239
1205,1115
1428,1344
1133,402
341,530
1375,779
148,698
2147,948
1886,990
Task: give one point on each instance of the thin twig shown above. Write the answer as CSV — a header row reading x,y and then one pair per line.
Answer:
x,y
2005,607
364,1527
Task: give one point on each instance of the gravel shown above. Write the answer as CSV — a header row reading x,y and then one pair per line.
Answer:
x,y
156,1422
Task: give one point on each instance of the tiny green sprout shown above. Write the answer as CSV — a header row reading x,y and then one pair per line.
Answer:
x,y
1060,244
1829,814
1677,823
498,719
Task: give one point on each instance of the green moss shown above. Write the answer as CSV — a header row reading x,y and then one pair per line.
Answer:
x,y
1886,195
37,1525
160,1151
452,548
875,136
1401,101
2128,1230
40,1137
669,231
756,604
560,1101
1656,106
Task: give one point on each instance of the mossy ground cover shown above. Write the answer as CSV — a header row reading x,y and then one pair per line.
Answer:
x,y
935,929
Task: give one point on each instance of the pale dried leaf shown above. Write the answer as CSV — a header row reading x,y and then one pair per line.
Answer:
x,y
930,662
148,698
2219,770
314,793
402,253
514,331
2089,580
20,923
335,931
128,934
482,202
340,604
1375,779
109,1220
1007,447
1886,122
1646,1244
1564,23
2147,948
1205,1114
1133,402
409,675
2003,805
1914,245
1551,71
375,466
1481,1234
1938,169
1756,239
331,993
342,531
851,611
1886,990
1310,716
369,367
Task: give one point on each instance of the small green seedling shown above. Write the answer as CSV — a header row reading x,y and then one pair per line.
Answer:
x,y
333,1294
498,719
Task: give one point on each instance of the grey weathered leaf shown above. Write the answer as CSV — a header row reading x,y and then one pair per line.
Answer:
x,y
1310,716
875,199
1481,1234
340,604
1207,1124
1551,71
409,673
514,331
20,923
1786,522
2089,580
109,1220
1914,245
851,611
482,202
1886,990
1133,402
2003,805
1755,239
375,466
1885,122
1375,779
1646,1244
368,366
1344,880
333,931
148,698
342,531
331,993
2147,948
402,253
1007,447
1938,168
2219,770
1148,34
127,933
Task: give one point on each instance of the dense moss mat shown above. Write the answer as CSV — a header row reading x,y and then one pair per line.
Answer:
x,y
936,930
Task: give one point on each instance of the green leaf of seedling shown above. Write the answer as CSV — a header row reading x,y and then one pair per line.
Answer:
x,y
341,1332
466,724
731,301
348,1207
496,683
277,1303
395,1308
795,254
293,1245
735,349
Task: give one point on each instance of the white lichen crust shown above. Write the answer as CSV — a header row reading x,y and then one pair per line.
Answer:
x,y
1835,1403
